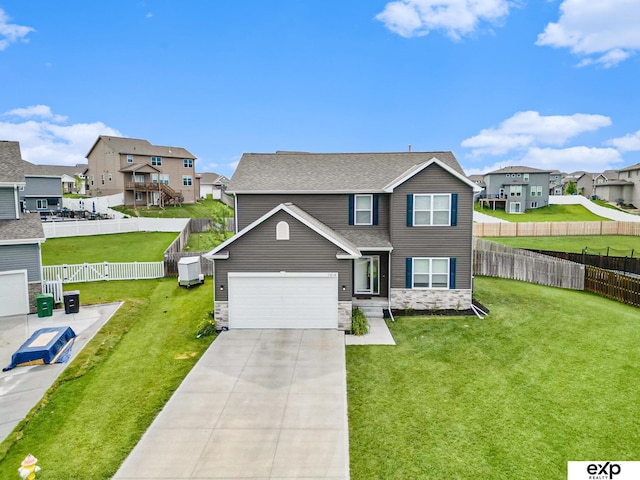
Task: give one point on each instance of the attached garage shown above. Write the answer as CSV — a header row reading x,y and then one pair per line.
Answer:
x,y
14,293
283,300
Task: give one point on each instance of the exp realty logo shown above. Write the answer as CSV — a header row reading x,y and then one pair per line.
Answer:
x,y
607,470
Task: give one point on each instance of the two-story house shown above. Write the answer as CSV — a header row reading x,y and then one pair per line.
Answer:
x,y
623,186
316,231
584,182
555,182
42,191
516,189
146,174
21,235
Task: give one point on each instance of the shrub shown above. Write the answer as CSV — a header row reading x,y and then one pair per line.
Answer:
x,y
359,324
207,327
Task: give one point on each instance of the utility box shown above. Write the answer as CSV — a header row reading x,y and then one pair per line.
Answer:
x,y
71,301
189,272
44,304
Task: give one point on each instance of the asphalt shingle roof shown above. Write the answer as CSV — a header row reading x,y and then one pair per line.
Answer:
x,y
29,227
53,170
135,146
519,169
11,164
327,172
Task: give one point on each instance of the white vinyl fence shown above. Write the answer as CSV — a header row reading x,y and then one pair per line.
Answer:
x,y
94,272
54,287
122,225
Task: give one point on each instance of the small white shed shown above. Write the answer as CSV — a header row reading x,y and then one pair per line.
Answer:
x,y
189,272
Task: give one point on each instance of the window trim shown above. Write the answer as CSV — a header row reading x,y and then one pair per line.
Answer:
x,y
39,204
156,161
430,259
187,163
431,210
129,158
356,209
186,178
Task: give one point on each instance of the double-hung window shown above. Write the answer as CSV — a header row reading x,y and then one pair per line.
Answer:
x,y
430,273
363,210
129,158
41,204
187,180
515,190
156,161
431,209
188,162
536,190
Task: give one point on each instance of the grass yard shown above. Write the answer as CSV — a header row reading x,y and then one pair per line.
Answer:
x,y
549,376
550,213
118,247
595,243
202,209
205,241
103,402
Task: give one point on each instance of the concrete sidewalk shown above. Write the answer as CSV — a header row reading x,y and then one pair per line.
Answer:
x,y
23,387
259,404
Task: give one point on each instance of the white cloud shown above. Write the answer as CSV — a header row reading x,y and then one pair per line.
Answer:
x,y
604,32
589,159
11,32
628,143
45,140
148,15
411,18
527,129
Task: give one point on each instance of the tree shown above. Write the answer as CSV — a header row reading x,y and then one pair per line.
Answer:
x,y
570,189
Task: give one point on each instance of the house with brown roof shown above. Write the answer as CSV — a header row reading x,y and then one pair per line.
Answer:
x,y
317,233
516,189
212,184
625,189
21,235
146,174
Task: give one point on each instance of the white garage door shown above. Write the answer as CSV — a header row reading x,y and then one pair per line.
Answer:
x,y
283,300
14,293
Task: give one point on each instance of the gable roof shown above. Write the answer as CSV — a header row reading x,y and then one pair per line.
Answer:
x,y
211,178
302,172
53,170
11,163
135,146
143,167
632,167
28,229
518,169
309,220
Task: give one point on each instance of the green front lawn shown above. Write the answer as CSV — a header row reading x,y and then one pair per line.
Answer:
x,y
202,209
118,247
550,213
594,243
103,402
549,376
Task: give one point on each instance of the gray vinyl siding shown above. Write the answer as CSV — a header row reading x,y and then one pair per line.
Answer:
x,y
43,187
31,204
330,209
7,204
305,251
432,241
19,257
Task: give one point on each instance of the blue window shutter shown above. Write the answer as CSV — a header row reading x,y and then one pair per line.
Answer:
x,y
351,209
410,210
452,273
376,201
409,282
454,209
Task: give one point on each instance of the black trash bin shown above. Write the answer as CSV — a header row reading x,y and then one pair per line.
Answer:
x,y
71,301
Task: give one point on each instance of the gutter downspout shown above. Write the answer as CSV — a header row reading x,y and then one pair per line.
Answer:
x,y
389,289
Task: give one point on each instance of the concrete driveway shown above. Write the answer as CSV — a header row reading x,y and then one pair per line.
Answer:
x,y
259,404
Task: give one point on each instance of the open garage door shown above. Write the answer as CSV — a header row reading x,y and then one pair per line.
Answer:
x,y
283,300
14,293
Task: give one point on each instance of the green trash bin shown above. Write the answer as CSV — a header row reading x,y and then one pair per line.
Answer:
x,y
44,303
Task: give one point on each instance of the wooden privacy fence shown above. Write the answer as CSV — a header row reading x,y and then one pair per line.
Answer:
x,y
94,272
555,229
495,260
613,285
171,263
620,264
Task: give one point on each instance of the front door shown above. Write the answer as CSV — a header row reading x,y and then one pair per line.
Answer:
x,y
366,275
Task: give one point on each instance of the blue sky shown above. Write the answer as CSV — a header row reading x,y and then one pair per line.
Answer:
x,y
548,84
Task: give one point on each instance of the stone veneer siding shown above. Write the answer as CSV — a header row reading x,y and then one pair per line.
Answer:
x,y
403,298
221,314
35,288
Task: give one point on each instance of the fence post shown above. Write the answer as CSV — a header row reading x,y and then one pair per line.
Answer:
x,y
106,271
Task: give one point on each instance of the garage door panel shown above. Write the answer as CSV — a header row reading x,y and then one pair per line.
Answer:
x,y
14,293
290,300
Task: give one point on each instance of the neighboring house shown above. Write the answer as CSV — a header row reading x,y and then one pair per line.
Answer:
x,y
625,189
555,182
146,174
21,235
478,180
42,192
583,180
313,231
212,184
517,188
